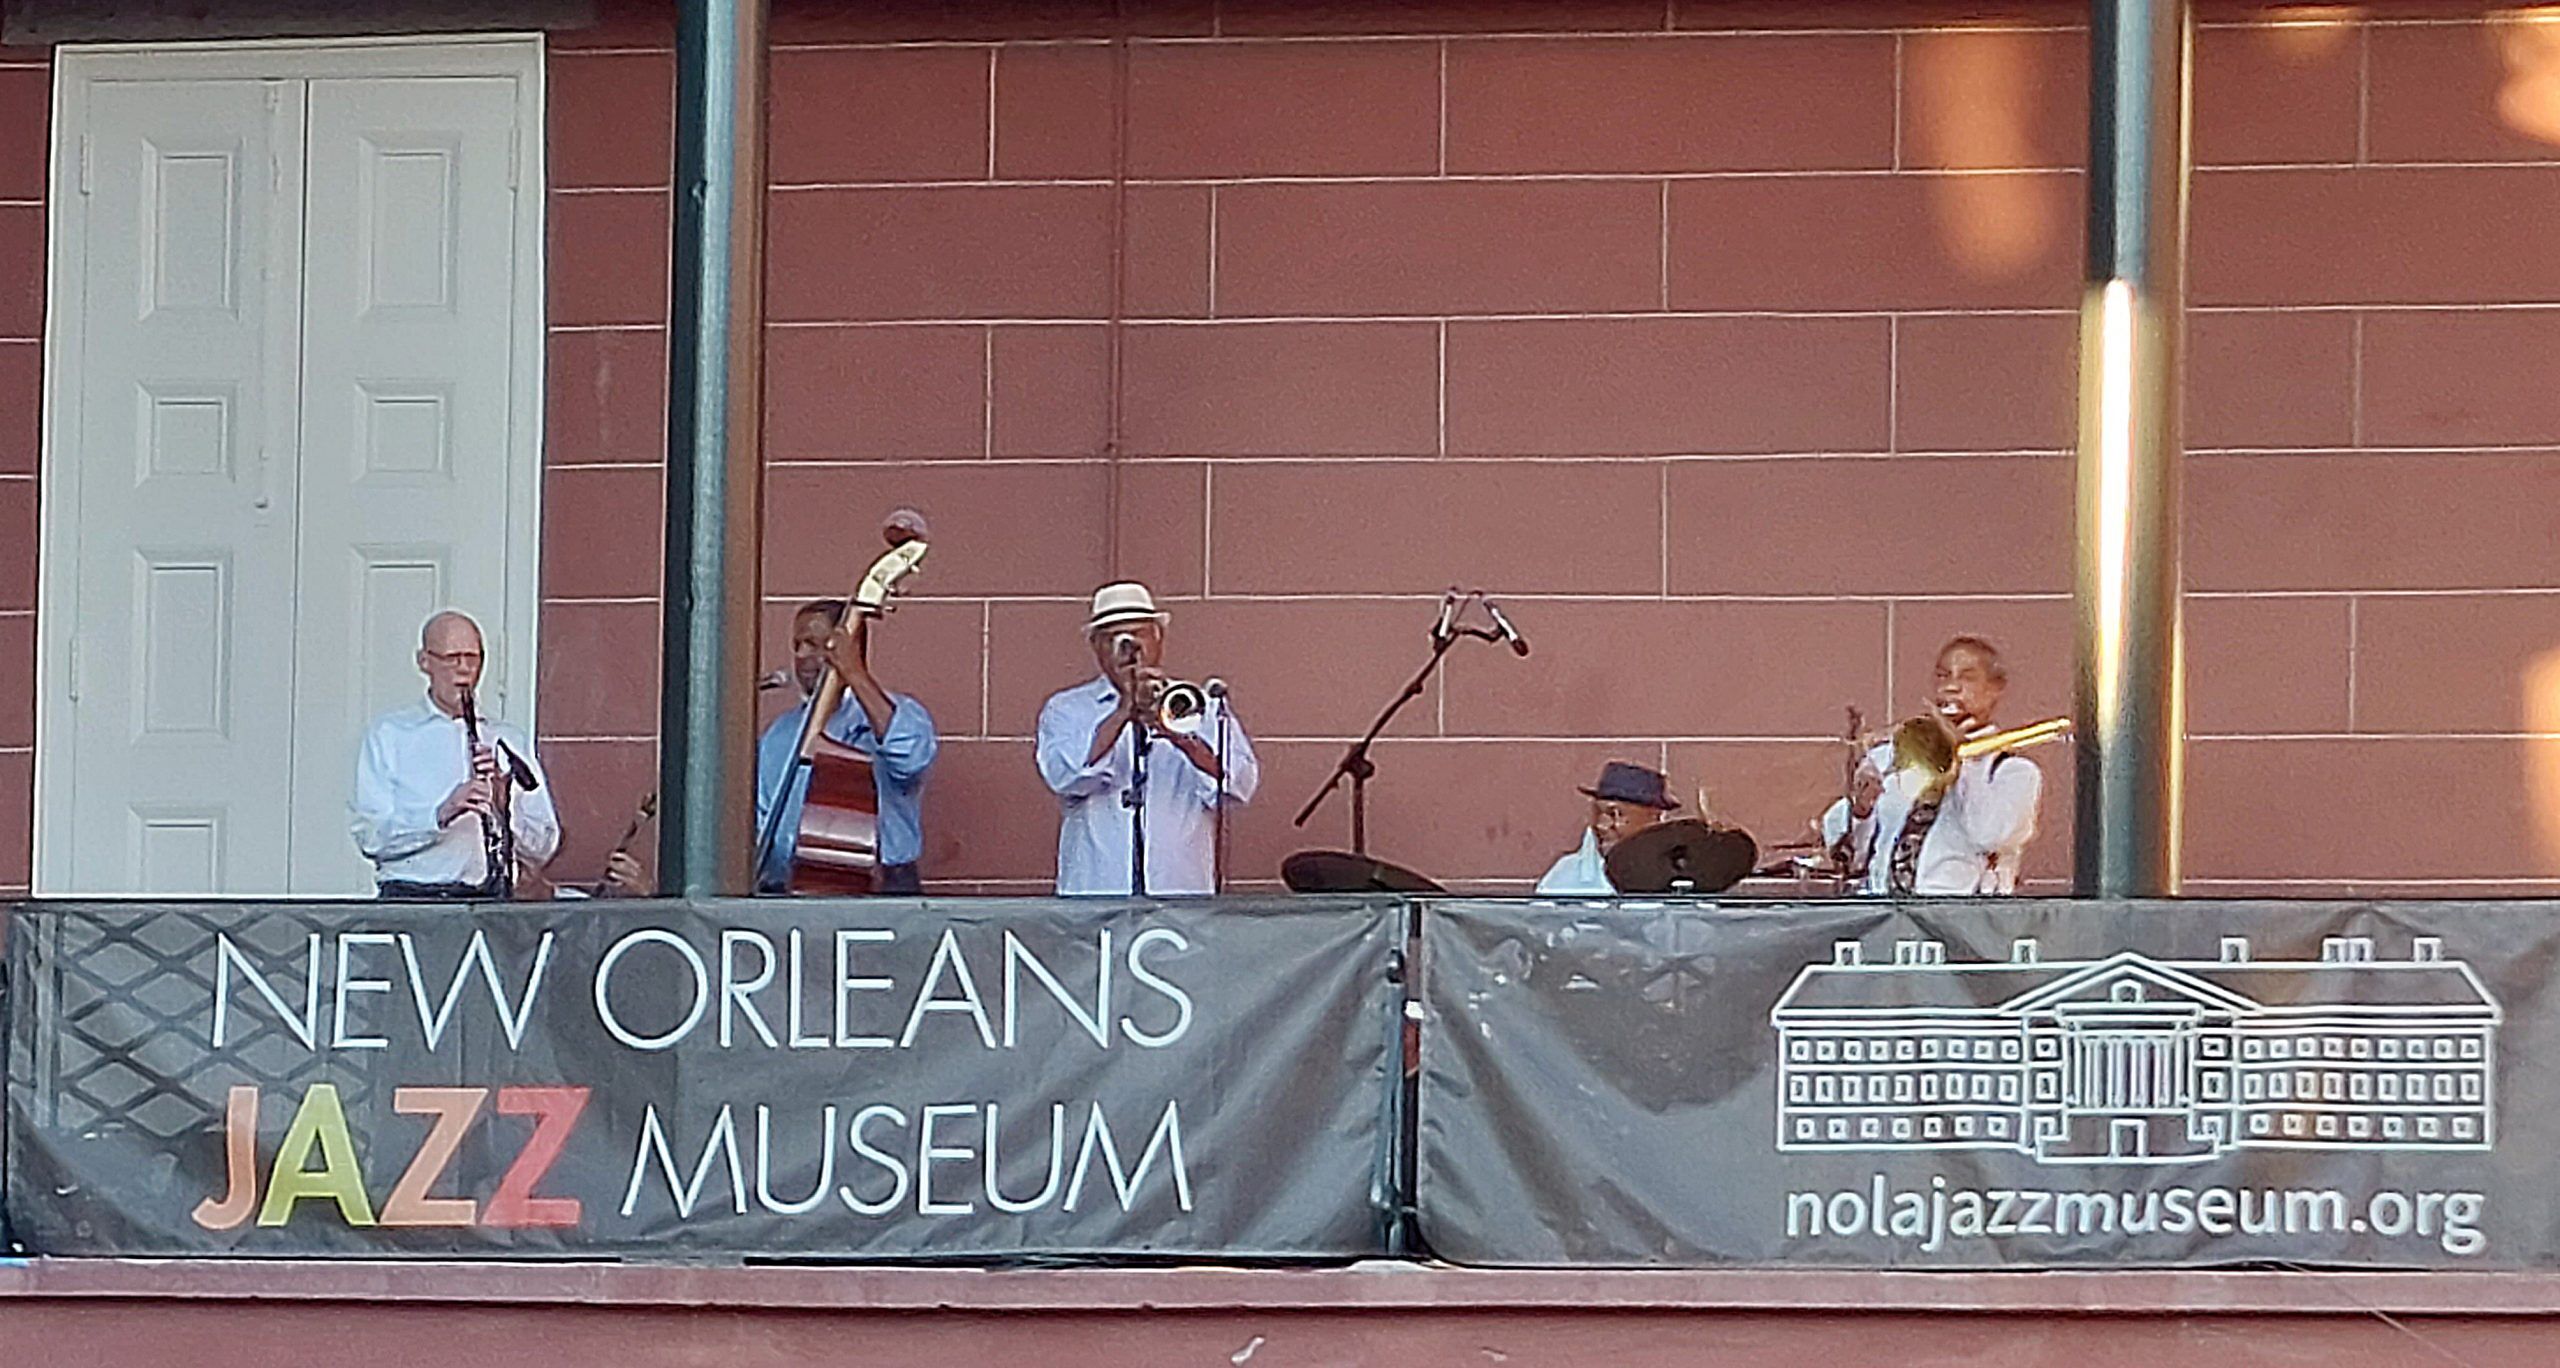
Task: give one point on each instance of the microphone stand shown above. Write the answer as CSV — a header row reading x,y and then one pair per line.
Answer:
x,y
1136,800
1125,649
1217,693
1356,764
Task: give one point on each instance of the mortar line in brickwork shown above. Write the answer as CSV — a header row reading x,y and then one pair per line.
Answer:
x,y
1114,357
1662,508
595,738
1440,389
986,653
1891,627
2355,615
1208,520
992,54
1444,106
2433,736
1578,315
1561,35
1897,102
986,400
1665,263
1893,383
2355,383
2364,93
1213,251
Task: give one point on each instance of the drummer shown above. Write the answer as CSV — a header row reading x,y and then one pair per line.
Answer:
x,y
1628,798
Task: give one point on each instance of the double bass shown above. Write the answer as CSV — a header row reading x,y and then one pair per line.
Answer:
x,y
838,851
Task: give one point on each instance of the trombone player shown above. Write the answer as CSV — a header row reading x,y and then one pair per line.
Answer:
x,y
1947,805
1097,737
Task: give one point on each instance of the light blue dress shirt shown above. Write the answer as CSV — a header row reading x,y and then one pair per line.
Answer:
x,y
898,764
1182,802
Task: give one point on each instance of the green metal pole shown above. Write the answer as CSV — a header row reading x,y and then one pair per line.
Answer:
x,y
2130,710
715,452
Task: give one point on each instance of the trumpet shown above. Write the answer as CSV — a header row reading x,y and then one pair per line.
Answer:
x,y
1179,700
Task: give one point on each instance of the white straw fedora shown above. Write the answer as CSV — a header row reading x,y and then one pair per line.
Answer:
x,y
1116,605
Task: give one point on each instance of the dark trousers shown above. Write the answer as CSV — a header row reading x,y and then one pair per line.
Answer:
x,y
402,890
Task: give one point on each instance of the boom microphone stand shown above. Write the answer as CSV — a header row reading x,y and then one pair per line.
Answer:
x,y
1355,763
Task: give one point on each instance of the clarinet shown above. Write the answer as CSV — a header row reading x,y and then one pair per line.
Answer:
x,y
496,832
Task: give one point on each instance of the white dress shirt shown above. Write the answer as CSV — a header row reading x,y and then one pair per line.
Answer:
x,y
1093,825
411,761
1983,826
1584,873
1861,831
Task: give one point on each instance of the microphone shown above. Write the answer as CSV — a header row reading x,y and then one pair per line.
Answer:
x,y
1509,633
517,769
777,680
1124,648
1214,687
1448,616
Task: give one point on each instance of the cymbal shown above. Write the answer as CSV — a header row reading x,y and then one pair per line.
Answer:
x,y
1340,871
1686,856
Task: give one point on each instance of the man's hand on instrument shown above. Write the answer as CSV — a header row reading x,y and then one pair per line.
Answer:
x,y
845,648
477,794
1147,685
623,877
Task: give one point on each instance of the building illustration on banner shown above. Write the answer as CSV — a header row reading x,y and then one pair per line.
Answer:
x,y
2128,1059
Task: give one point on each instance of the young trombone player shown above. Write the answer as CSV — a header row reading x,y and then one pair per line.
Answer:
x,y
1947,805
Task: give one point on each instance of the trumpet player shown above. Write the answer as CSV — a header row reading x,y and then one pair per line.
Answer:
x,y
1096,737
1932,811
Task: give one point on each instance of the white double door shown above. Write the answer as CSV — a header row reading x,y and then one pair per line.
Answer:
x,y
294,401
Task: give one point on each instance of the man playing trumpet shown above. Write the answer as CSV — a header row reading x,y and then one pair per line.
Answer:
x,y
1931,812
1097,737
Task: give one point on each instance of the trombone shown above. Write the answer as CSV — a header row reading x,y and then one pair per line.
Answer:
x,y
1921,743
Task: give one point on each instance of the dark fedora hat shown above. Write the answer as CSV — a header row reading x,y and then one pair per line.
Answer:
x,y
1621,782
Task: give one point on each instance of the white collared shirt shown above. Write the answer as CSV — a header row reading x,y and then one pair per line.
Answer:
x,y
1093,823
1583,873
412,759
1983,826
1978,840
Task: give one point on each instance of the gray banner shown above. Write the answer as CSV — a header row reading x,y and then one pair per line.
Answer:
x,y
875,1079
1996,1084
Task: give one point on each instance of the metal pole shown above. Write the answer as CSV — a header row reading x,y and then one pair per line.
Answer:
x,y
2130,707
715,452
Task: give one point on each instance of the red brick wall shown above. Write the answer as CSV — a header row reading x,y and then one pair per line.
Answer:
x,y
1738,358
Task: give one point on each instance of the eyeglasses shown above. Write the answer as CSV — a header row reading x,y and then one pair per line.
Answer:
x,y
453,659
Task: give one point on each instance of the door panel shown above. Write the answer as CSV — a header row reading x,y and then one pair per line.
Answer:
x,y
182,488
407,387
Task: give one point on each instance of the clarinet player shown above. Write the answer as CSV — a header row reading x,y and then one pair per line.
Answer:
x,y
439,816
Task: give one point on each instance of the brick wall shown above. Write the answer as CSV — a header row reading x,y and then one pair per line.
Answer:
x,y
1738,357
